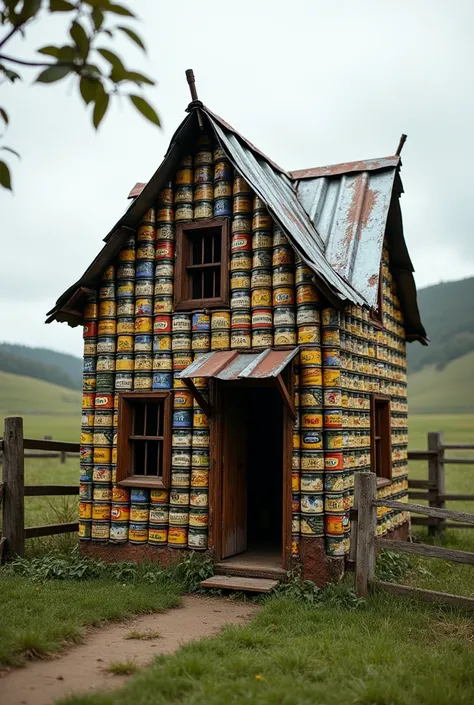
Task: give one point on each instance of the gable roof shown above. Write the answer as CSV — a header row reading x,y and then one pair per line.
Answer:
x,y
335,217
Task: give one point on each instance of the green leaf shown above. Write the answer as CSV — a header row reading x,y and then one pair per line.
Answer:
x,y
30,9
11,75
97,17
12,151
50,50
100,108
53,73
138,78
112,58
133,36
119,10
5,178
67,53
80,39
88,89
145,109
60,6
4,115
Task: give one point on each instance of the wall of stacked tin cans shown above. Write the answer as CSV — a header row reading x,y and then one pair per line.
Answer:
x,y
133,340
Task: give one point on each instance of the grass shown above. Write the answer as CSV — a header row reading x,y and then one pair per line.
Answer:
x,y
382,653
143,636
450,390
44,617
122,668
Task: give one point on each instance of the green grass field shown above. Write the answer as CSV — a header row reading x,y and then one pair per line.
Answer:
x,y
450,390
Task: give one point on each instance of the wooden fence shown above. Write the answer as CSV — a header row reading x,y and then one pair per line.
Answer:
x,y
41,453
366,543
433,490
13,489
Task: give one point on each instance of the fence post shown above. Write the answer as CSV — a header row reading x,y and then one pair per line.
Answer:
x,y
365,494
13,490
436,477
62,456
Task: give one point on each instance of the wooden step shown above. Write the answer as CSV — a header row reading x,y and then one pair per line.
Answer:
x,y
246,570
232,582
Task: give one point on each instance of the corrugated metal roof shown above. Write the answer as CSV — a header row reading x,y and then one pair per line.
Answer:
x,y
278,193
231,365
346,167
350,213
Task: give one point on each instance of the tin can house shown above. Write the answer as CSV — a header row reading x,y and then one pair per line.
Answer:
x,y
245,335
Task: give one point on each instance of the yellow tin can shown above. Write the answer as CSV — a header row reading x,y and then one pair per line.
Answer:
x,y
158,496
157,535
138,533
102,455
261,297
306,294
311,419
101,511
85,510
311,376
138,512
125,344
120,512
144,324
310,356
199,477
200,420
178,536
220,340
331,377
107,309
100,530
309,334
107,326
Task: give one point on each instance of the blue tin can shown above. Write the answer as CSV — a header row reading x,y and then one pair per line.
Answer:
x,y
89,364
145,269
139,495
201,321
162,380
86,472
222,207
183,418
143,343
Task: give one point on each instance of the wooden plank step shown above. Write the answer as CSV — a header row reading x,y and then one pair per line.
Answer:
x,y
246,570
233,582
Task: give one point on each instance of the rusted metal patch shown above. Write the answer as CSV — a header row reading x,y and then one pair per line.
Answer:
x,y
232,365
346,168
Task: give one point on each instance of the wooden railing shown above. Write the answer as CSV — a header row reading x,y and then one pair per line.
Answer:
x,y
37,452
367,543
13,489
434,488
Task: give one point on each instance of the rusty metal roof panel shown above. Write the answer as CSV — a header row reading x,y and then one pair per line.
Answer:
x,y
277,191
350,211
232,365
347,167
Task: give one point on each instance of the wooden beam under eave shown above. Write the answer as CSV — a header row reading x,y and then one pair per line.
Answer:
x,y
285,395
203,403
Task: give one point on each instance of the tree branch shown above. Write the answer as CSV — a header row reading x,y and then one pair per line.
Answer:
x,y
28,63
12,32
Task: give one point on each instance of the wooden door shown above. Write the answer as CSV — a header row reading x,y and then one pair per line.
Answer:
x,y
234,472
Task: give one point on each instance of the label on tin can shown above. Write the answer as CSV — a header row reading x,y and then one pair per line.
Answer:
x,y
106,363
262,318
308,333
283,296
124,380
203,210
107,327
127,255
241,242
163,304
262,258
261,220
331,337
307,314
126,325
312,460
310,356
282,256
220,340
311,440
199,497
203,173
241,224
261,297
142,380
311,376
144,324
104,401
125,344
203,192
138,533
306,294
311,419
240,261
222,189
311,503
283,276
119,531
239,280
262,239
283,317
312,482
285,335
198,517
242,204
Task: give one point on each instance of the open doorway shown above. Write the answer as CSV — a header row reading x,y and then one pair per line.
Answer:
x,y
252,473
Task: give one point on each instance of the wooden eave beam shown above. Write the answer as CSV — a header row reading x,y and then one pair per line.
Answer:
x,y
203,403
285,395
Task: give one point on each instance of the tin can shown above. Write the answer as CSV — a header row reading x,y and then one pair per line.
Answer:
x,y
283,277
282,256
240,339
311,397
139,495
183,194
107,327
102,436
157,535
199,419
143,344
239,280
284,317
334,482
163,304
240,261
164,249
162,362
203,210
158,496
335,545
139,512
181,342
180,479
333,418
262,239
283,296
161,343
102,455
162,380
311,440
181,323
120,495
220,320
179,497
162,323
181,457
331,377
182,418
197,538
223,190
181,439
334,461
138,532
308,334
262,318
239,300
199,497
199,477
142,380
307,315
91,311
331,337
201,342
102,474
146,232
106,363
200,321
165,214
86,454
88,381
85,472
334,502
85,510
145,269
200,438
200,458
204,156
125,345
312,525
307,294
261,297
241,242
87,417
177,536
203,173
311,503
104,400
144,324
198,517
184,176
126,325
284,335
262,259
159,514
89,364
220,340
100,531
333,440
84,530
261,278
330,317
311,376
101,511
119,531
312,482
222,171
105,381
242,204
312,418
181,360
241,320
261,220
85,492
143,362
203,192
145,251
107,309
90,346
241,187
125,271
124,381
332,397
310,356
127,254
241,224
312,460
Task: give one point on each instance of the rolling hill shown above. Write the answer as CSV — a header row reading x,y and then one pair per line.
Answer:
x,y
41,363
449,391
23,395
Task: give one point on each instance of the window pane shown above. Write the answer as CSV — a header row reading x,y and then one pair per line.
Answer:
x,y
208,248
138,457
197,244
153,458
208,283
196,284
138,420
152,419
217,248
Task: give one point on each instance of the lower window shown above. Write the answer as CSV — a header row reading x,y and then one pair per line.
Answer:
x,y
143,443
381,450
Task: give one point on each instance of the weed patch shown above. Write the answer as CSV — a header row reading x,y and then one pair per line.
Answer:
x,y
122,668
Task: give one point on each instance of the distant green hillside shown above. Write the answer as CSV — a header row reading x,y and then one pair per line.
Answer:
x,y
22,395
447,312
41,363
450,390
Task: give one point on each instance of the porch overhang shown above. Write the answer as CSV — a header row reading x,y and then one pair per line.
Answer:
x,y
235,365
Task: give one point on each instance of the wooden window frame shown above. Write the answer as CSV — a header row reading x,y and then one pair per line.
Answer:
x,y
384,476
125,445
182,298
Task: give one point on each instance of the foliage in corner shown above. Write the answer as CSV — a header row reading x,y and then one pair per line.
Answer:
x,y
300,590
391,566
98,73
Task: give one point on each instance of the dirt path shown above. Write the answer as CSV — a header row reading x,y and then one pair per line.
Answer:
x,y
82,668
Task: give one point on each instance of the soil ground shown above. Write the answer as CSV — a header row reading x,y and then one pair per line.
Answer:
x,y
84,668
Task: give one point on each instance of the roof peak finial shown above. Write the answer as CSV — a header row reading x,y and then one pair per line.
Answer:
x,y
192,84
400,145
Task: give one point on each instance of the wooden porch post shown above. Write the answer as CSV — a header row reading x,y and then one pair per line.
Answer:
x,y
13,490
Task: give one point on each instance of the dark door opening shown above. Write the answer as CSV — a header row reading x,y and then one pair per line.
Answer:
x,y
252,478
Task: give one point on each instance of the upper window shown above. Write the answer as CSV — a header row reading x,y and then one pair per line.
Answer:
x,y
144,429
201,268
381,438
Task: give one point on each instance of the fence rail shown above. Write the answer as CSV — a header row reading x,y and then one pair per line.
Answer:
x,y
13,489
435,486
367,543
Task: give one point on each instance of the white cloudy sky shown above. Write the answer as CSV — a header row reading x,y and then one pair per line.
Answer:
x,y
310,82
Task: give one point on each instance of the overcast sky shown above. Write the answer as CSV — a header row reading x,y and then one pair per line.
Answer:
x,y
310,83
